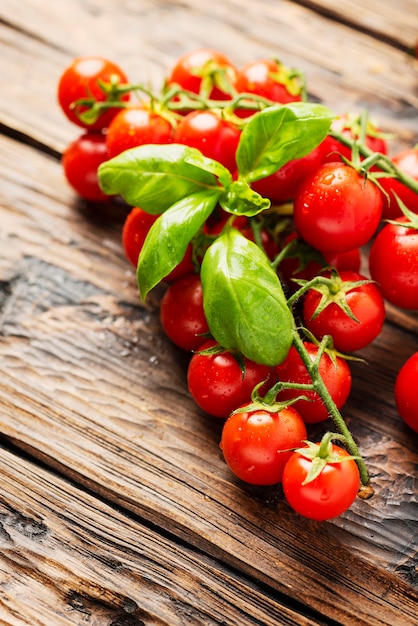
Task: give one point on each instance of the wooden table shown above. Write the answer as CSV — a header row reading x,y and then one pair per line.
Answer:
x,y
116,507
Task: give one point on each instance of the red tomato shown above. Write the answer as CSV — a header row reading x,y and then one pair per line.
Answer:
x,y
336,209
182,315
256,443
349,260
393,263
80,162
367,305
283,184
217,383
335,374
406,396
134,231
407,161
351,127
136,126
208,132
270,79
204,69
81,80
328,495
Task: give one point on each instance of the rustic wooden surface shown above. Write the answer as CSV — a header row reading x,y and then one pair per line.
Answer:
x,y
116,507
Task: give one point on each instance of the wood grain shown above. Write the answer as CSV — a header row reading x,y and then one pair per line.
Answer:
x,y
116,506
76,396
67,558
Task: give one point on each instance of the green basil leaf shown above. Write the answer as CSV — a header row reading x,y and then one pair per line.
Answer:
x,y
154,177
244,301
210,165
279,134
167,240
240,199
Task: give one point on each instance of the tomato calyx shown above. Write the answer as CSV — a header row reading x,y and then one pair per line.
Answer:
x,y
323,454
216,348
333,290
383,162
268,402
114,90
293,79
214,74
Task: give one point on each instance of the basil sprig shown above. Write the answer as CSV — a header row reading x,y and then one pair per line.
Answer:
x,y
243,299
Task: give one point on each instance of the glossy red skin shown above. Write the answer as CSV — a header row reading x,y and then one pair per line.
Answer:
x,y
283,184
393,264
407,161
255,444
337,379
367,305
216,382
80,80
406,396
136,126
328,495
135,229
183,72
336,209
80,162
182,315
258,77
214,137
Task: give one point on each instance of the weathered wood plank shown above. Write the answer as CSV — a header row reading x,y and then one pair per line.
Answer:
x,y
92,388
347,69
395,22
66,558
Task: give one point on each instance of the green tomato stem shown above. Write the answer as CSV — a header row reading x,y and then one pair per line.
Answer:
x,y
376,158
336,416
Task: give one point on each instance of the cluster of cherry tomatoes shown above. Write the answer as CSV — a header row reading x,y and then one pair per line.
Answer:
x,y
324,209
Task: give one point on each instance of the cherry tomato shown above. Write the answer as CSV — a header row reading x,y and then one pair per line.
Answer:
x,y
406,396
367,306
182,315
136,126
334,372
283,184
328,495
336,209
270,79
407,161
81,79
208,132
217,383
393,263
204,69
256,443
135,229
80,162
